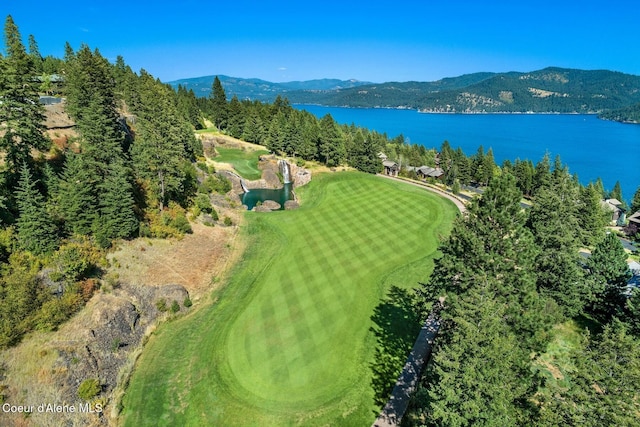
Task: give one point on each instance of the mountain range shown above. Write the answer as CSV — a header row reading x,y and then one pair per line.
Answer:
x,y
262,90
553,89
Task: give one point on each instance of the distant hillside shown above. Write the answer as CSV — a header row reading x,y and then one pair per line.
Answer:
x,y
551,90
262,90
626,115
548,90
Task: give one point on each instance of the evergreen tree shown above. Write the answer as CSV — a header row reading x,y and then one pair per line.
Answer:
x,y
479,373
524,173
365,155
21,114
600,187
491,244
635,202
593,217
219,104
36,231
159,145
117,218
604,384
554,224
616,193
610,271
276,136
34,54
253,131
91,102
332,150
542,174
236,118
77,195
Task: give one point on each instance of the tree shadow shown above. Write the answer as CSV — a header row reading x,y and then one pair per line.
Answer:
x,y
396,326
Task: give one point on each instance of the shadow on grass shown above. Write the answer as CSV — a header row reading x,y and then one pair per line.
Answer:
x,y
396,327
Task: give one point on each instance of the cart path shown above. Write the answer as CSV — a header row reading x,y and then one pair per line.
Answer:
x,y
456,200
395,408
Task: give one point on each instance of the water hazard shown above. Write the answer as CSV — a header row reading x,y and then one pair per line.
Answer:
x,y
259,195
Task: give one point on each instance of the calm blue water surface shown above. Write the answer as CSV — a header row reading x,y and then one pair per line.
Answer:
x,y
591,147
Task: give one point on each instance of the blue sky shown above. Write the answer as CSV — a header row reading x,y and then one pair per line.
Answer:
x,y
372,41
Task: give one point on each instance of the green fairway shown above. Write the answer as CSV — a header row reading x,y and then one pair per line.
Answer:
x,y
244,162
288,340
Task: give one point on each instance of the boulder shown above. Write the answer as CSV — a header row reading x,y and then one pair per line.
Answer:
x,y
271,204
291,204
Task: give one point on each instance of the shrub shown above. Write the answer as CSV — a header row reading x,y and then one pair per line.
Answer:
x,y
175,307
227,221
89,389
204,203
187,302
161,305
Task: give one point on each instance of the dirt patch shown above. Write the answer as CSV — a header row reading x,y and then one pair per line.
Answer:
x,y
194,262
553,370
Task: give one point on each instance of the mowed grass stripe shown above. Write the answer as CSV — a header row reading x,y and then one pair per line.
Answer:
x,y
289,341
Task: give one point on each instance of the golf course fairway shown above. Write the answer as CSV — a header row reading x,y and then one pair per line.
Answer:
x,y
287,340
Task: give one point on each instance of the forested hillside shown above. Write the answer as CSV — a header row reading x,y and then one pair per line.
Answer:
x,y
626,115
549,90
261,90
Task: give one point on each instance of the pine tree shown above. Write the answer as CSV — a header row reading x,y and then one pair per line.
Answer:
x,y
593,217
332,150
77,195
34,54
36,231
236,118
479,373
253,131
219,104
365,154
159,145
635,202
21,115
610,271
491,244
542,174
276,135
604,383
117,218
554,224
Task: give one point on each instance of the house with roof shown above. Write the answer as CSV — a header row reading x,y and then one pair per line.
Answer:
x,y
391,168
429,172
614,206
634,281
635,219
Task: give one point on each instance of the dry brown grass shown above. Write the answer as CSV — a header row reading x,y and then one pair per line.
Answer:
x,y
193,261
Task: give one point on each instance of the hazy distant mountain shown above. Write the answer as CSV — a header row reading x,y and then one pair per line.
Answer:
x,y
261,90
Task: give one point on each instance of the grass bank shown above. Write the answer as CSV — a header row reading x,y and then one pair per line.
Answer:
x,y
244,162
289,340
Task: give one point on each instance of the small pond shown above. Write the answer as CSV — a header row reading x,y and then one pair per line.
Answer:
x,y
280,195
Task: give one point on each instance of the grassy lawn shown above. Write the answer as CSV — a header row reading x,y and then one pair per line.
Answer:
x,y
289,340
244,162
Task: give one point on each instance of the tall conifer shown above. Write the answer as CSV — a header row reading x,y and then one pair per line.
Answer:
x,y
21,114
36,231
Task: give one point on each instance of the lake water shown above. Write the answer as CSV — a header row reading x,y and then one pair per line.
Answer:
x,y
590,147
